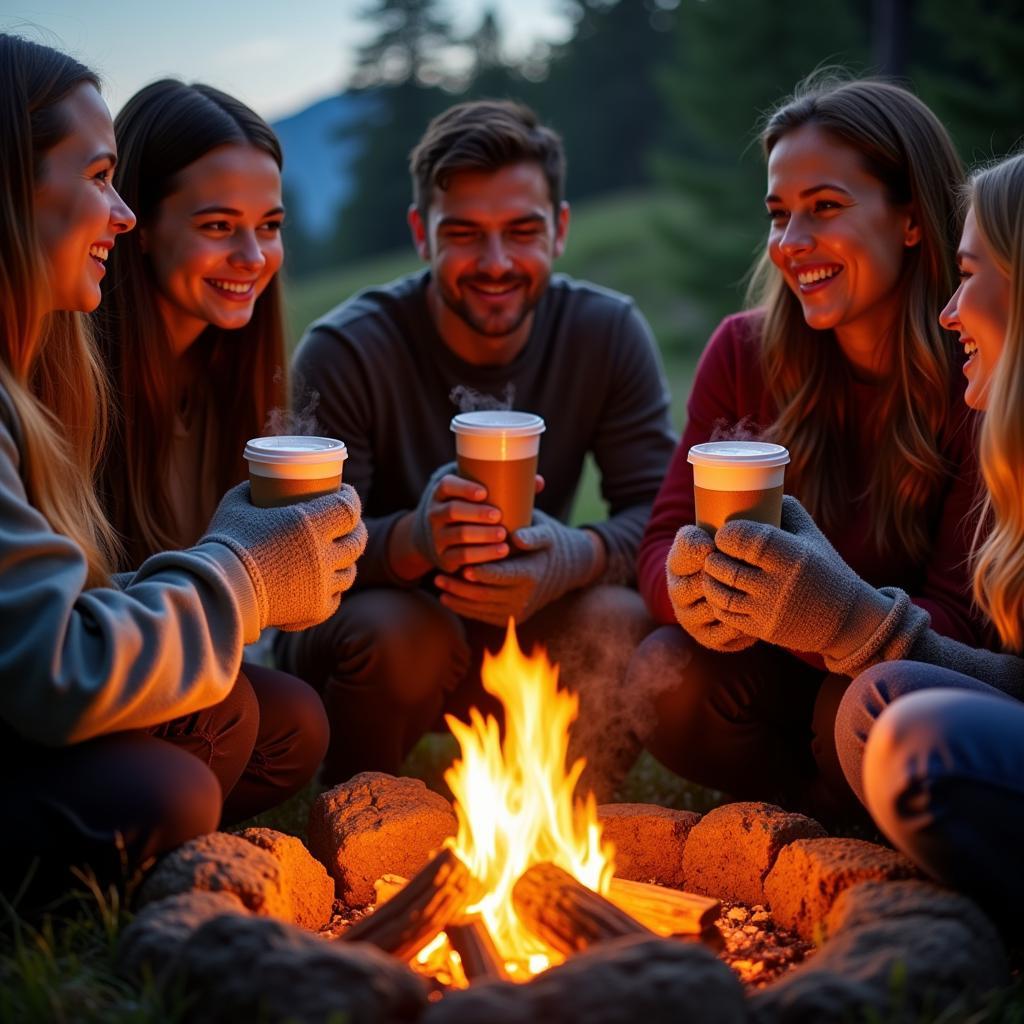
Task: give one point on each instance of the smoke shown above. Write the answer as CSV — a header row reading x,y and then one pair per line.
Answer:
x,y
467,399
745,430
295,421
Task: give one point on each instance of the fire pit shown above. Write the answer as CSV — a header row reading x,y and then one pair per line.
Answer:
x,y
524,903
527,880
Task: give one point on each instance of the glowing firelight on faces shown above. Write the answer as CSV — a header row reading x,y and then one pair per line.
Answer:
x,y
515,803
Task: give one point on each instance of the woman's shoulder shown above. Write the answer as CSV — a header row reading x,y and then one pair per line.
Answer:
x,y
734,345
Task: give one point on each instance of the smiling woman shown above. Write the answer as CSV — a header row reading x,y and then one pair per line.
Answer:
x,y
192,327
841,360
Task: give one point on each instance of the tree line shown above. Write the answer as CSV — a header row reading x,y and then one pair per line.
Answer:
x,y
668,94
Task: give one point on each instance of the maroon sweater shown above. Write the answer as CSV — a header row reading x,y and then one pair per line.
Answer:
x,y
728,387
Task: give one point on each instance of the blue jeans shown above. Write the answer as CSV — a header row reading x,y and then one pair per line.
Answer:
x,y
938,759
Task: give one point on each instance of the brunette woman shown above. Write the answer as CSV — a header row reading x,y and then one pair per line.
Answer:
x,y
191,328
933,745
841,361
125,725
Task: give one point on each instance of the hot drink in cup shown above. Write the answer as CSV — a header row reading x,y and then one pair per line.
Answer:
x,y
291,468
499,450
737,480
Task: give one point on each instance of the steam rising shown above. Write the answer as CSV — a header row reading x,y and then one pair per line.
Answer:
x,y
745,430
297,421
468,399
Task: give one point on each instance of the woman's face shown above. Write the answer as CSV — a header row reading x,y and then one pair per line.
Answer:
x,y
215,241
78,213
978,311
835,236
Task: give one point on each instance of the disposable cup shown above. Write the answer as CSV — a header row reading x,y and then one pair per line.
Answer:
x,y
737,480
499,449
290,468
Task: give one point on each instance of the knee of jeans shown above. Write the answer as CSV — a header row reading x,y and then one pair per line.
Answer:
x,y
404,645
899,758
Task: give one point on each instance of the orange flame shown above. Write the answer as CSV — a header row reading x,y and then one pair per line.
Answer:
x,y
515,800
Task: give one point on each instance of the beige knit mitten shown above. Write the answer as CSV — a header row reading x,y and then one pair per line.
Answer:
x,y
301,557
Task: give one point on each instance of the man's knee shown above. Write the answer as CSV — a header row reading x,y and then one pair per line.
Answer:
x,y
400,643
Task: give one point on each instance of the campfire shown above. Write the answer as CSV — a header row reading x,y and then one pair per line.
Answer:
x,y
527,881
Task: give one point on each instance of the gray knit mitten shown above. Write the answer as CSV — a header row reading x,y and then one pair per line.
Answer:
x,y
790,587
301,557
684,575
550,560
422,535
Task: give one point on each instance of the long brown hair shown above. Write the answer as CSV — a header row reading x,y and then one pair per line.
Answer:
x,y
997,196
907,149
161,130
48,365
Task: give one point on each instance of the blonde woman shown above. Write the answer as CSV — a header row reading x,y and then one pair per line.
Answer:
x,y
124,723
933,745
841,360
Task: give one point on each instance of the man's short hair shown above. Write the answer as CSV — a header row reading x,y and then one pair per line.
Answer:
x,y
484,135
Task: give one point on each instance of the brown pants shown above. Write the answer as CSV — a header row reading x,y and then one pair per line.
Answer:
x,y
116,801
390,663
758,724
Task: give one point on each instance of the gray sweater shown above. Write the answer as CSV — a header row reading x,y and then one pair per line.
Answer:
x,y
77,663
386,384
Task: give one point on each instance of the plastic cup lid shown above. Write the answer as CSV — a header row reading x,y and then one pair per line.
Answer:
x,y
738,453
295,448
498,421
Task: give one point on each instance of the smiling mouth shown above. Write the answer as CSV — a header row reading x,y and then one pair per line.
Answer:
x,y
818,277
494,289
232,289
99,254
970,348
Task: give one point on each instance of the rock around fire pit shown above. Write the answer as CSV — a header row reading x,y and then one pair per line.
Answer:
x,y
245,923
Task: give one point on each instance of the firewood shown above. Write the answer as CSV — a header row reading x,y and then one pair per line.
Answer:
x,y
565,913
472,940
665,911
412,917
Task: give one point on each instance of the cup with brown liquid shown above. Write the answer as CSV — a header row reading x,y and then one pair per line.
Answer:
x,y
290,468
499,448
737,480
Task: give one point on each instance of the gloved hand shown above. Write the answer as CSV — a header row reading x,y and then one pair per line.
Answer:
x,y
451,528
790,587
553,559
301,557
684,574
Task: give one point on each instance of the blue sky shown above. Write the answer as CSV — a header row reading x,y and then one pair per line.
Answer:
x,y
275,55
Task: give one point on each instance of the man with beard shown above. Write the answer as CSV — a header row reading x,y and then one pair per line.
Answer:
x,y
485,326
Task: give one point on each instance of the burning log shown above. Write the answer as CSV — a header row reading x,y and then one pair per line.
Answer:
x,y
423,907
665,911
565,913
470,938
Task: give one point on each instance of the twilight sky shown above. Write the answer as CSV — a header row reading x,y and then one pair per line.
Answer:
x,y
275,55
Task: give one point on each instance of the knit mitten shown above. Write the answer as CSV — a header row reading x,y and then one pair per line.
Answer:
x,y
790,587
422,535
684,575
301,557
550,560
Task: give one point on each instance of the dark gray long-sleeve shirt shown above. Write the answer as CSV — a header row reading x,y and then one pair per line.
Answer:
x,y
388,386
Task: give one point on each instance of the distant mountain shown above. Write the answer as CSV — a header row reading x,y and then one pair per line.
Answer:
x,y
320,143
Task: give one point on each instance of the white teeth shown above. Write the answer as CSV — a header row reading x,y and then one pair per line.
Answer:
x,y
970,347
99,251
812,276
232,286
